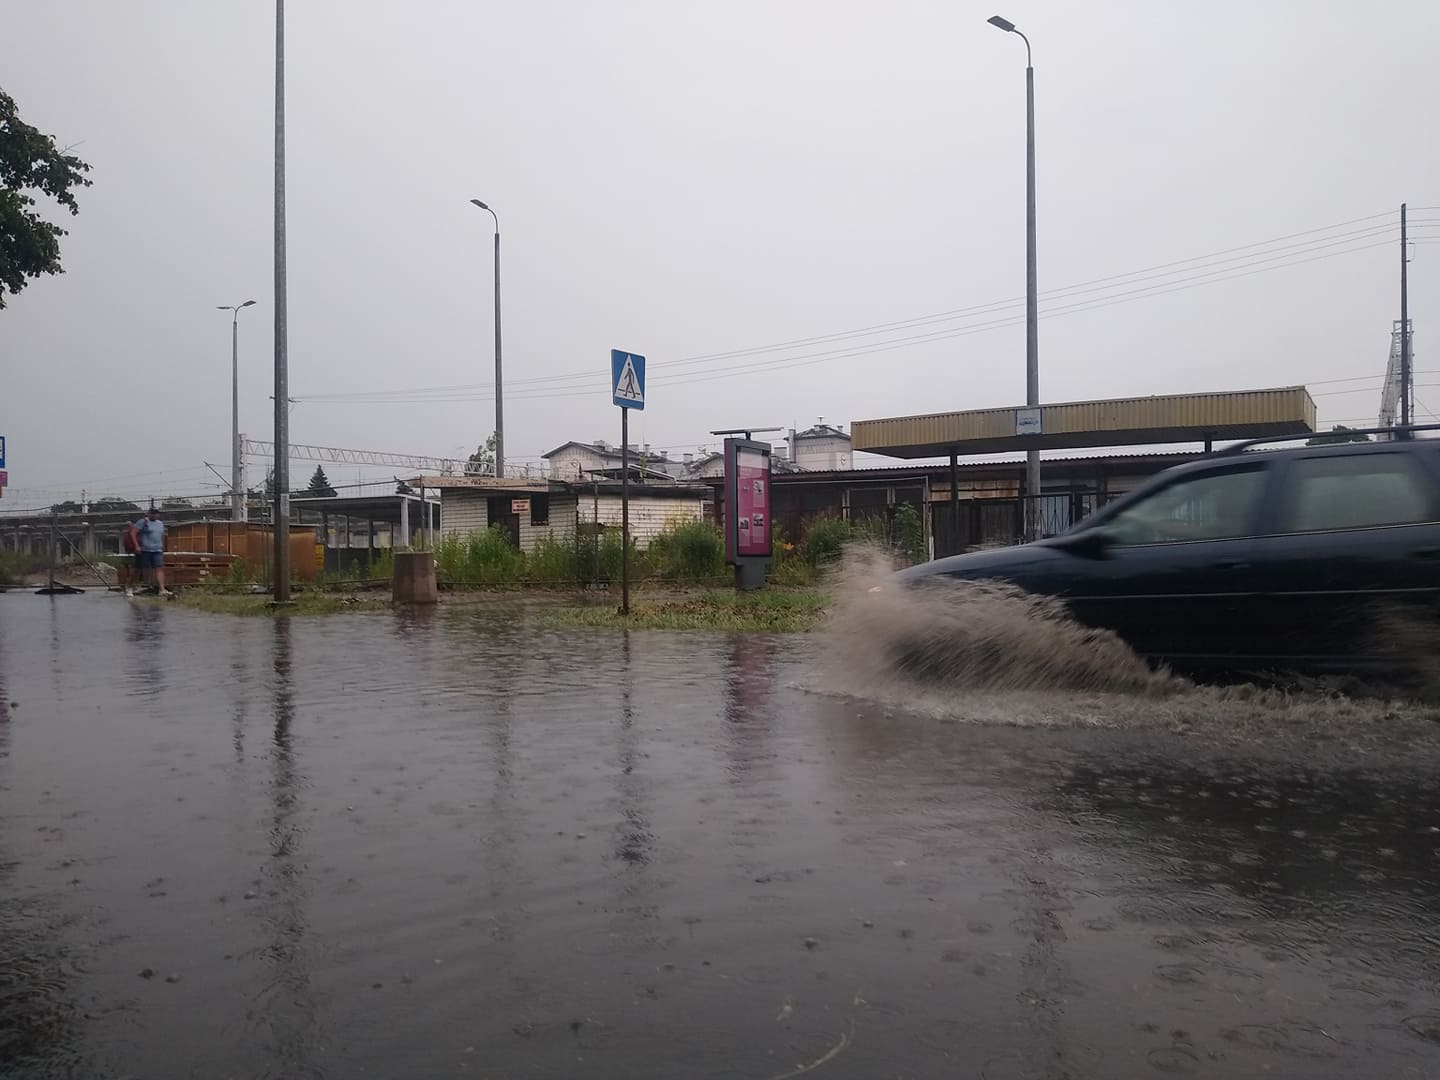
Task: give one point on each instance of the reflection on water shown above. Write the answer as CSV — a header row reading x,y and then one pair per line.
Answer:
x,y
286,1011
451,844
145,636
635,840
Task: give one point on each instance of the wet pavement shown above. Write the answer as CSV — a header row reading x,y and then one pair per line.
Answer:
x,y
450,844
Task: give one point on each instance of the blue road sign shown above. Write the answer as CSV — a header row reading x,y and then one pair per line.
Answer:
x,y
627,379
2,437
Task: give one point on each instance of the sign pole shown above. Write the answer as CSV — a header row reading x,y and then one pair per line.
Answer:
x,y
627,386
624,511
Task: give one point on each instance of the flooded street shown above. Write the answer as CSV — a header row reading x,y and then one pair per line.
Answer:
x,y
450,844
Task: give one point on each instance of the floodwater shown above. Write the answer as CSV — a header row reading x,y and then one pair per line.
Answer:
x,y
450,844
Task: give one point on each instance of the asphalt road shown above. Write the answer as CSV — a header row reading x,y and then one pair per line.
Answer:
x,y
454,845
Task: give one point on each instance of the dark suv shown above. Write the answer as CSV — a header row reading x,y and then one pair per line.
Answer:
x,y
1308,559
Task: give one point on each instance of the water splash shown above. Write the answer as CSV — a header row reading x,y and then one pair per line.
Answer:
x,y
973,635
989,653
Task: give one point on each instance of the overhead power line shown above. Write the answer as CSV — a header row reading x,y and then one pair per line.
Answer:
x,y
1143,284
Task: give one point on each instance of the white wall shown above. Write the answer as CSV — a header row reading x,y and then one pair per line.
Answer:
x,y
816,454
649,514
465,511
576,462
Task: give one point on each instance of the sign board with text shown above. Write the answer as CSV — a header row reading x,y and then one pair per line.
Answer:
x,y
1027,422
519,506
2,451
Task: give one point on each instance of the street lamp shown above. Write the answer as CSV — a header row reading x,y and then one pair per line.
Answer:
x,y
237,497
499,391
1032,318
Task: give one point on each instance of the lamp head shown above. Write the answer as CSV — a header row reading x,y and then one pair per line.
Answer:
x,y
1003,24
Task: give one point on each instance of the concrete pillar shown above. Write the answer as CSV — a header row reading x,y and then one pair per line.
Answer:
x,y
404,525
369,544
414,581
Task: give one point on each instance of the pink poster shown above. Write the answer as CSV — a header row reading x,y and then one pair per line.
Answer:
x,y
753,503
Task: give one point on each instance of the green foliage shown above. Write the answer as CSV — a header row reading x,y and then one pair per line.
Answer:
x,y
239,573
484,557
382,565
825,539
610,556
908,534
319,487
789,565
558,560
693,551
11,570
482,461
769,611
31,162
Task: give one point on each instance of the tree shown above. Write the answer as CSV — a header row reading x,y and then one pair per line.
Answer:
x,y
402,488
482,461
31,164
176,502
320,485
1338,434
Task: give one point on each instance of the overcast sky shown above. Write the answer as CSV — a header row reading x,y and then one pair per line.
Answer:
x,y
687,179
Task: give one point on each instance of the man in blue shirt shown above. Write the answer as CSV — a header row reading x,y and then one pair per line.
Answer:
x,y
151,557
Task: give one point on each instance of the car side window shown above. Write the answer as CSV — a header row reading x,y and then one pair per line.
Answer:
x,y
1358,491
1216,505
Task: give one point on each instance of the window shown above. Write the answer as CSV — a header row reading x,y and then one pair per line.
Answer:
x,y
539,509
1358,491
1212,506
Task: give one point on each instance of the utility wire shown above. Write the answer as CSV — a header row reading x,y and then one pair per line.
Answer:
x,y
1209,267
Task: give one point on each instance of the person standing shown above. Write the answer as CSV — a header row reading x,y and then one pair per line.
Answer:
x,y
130,547
151,532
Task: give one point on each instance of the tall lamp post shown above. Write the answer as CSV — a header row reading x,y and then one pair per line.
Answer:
x,y
237,496
499,389
1032,318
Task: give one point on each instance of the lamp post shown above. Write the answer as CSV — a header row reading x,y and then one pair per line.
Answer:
x,y
499,389
1032,318
237,496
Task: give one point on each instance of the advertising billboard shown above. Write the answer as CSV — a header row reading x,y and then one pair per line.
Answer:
x,y
749,530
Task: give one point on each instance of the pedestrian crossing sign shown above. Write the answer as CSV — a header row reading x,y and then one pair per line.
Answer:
x,y
627,379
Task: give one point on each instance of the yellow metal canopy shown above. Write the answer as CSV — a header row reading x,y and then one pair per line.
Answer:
x,y
1243,414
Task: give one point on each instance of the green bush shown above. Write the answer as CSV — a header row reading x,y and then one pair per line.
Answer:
x,y
382,565
825,539
610,548
11,568
908,534
483,557
556,560
788,565
690,551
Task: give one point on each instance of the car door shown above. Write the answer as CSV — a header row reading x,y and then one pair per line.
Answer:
x,y
1175,576
1351,567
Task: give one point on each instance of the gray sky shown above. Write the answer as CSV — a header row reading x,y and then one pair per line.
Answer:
x,y
685,179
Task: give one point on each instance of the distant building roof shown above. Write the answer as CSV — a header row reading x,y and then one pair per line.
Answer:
x,y
822,431
602,448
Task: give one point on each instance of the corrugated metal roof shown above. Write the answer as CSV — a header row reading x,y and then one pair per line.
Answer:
x,y
1073,425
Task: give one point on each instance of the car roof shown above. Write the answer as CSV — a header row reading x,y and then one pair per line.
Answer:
x,y
1266,450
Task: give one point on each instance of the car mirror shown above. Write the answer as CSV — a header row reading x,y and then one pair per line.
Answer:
x,y
1088,543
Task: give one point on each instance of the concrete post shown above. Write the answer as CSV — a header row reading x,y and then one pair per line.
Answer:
x,y
414,581
404,525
